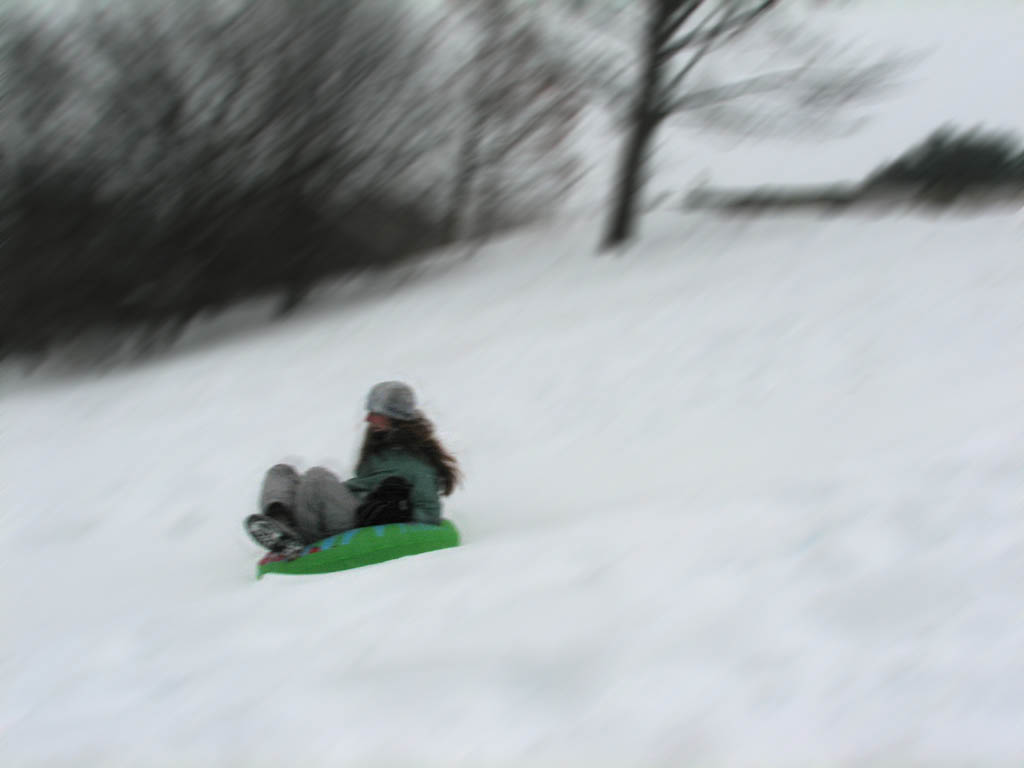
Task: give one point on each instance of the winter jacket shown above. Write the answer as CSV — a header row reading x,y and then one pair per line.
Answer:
x,y
394,460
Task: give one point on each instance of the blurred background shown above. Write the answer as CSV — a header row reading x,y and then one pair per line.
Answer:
x,y
161,162
716,302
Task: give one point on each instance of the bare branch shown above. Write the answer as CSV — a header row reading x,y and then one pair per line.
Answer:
x,y
673,20
539,120
727,11
760,84
737,22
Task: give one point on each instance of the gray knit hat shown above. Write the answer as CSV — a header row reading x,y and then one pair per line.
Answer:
x,y
392,399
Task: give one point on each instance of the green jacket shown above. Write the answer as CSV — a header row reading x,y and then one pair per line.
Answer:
x,y
425,496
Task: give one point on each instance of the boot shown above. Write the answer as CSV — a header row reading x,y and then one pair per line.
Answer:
x,y
273,534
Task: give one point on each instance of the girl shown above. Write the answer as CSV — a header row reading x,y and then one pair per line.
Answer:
x,y
401,473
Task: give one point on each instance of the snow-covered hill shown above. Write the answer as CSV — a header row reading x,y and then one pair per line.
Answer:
x,y
747,494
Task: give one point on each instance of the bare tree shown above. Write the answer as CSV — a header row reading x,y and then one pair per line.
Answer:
x,y
519,107
678,35
810,94
312,114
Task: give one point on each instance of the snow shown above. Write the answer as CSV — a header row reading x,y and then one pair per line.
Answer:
x,y
747,493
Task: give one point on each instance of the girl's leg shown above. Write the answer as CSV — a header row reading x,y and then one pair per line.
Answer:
x,y
323,505
277,496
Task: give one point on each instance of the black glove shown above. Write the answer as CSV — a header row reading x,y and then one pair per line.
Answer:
x,y
387,503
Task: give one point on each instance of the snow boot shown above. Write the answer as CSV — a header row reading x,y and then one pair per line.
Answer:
x,y
273,534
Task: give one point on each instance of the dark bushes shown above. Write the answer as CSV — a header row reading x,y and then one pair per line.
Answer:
x,y
168,159
974,167
949,163
171,163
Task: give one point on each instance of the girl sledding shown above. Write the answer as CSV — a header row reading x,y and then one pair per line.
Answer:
x,y
401,473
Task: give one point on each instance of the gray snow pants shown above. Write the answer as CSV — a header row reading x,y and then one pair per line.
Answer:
x,y
321,505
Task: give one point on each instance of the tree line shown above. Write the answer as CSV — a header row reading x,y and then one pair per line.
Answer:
x,y
160,160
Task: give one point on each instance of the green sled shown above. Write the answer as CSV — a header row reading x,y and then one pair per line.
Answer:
x,y
363,546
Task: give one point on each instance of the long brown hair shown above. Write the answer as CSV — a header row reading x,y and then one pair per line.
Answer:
x,y
416,436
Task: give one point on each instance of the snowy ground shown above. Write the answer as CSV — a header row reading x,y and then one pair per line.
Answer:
x,y
749,494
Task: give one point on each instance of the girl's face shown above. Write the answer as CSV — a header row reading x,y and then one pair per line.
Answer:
x,y
378,422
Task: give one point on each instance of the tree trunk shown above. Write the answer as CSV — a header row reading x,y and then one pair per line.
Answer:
x,y
646,116
467,165
468,160
629,183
